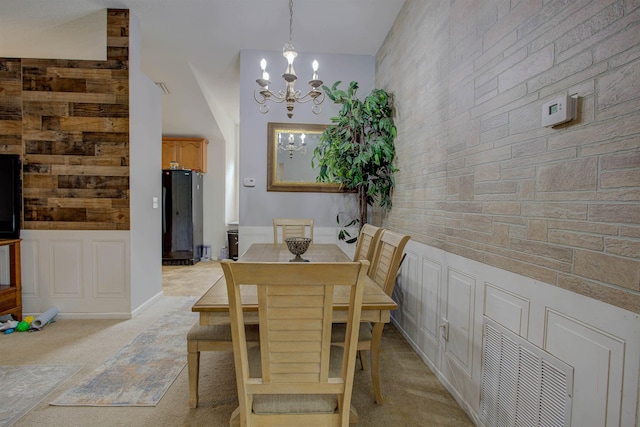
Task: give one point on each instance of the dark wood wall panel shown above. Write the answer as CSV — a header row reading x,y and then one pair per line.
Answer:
x,y
10,106
70,120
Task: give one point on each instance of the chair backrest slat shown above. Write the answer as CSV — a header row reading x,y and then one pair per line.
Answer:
x,y
292,227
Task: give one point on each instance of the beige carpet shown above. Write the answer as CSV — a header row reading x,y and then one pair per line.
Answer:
x,y
413,396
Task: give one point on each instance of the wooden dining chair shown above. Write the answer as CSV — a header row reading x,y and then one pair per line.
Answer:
x,y
292,227
387,257
365,249
209,338
295,376
367,242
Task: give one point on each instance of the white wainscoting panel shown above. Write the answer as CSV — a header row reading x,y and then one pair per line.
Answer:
x,y
429,314
599,341
508,309
410,294
598,362
110,275
247,236
65,266
84,274
459,314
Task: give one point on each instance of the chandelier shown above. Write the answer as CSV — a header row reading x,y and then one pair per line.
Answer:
x,y
263,94
291,144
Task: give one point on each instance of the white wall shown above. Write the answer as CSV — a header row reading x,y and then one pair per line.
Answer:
x,y
257,206
145,136
214,197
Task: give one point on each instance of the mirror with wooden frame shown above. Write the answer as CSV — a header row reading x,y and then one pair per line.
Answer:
x,y
289,153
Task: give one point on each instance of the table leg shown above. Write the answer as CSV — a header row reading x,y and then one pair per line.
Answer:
x,y
193,364
376,338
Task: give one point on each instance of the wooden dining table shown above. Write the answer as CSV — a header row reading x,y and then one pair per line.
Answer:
x,y
213,306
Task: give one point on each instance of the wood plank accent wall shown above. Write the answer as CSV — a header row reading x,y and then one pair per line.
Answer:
x,y
70,121
10,106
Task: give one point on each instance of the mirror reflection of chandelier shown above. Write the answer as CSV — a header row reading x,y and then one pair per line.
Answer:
x,y
292,145
263,94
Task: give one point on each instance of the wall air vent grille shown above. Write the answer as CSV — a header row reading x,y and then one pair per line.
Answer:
x,y
522,385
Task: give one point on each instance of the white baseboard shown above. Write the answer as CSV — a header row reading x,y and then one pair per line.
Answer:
x,y
146,304
86,316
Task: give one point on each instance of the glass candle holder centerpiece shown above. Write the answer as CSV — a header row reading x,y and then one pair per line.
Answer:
x,y
298,246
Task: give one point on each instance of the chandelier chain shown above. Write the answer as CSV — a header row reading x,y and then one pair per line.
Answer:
x,y
290,22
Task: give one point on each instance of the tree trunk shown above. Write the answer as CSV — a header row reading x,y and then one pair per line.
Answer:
x,y
362,206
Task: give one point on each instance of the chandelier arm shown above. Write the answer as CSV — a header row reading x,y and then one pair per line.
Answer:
x,y
316,96
262,96
259,96
292,148
316,109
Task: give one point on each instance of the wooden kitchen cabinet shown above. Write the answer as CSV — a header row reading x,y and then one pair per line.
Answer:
x,y
190,153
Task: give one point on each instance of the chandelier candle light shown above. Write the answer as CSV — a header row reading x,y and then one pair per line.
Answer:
x,y
291,145
263,94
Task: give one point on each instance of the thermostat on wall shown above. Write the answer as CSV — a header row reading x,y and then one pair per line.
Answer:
x,y
560,110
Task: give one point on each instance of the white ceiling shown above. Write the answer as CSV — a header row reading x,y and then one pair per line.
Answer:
x,y
193,46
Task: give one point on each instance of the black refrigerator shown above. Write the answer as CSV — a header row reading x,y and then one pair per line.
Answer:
x,y
181,217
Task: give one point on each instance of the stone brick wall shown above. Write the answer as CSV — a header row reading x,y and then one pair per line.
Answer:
x,y
481,177
69,120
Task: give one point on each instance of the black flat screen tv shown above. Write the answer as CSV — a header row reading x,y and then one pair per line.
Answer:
x,y
10,196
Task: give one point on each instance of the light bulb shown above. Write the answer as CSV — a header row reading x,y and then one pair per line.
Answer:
x,y
290,55
314,65
302,137
263,65
289,52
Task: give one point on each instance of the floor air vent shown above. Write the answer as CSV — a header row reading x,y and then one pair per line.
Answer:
x,y
522,385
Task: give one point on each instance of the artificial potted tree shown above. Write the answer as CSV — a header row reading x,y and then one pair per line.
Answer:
x,y
357,150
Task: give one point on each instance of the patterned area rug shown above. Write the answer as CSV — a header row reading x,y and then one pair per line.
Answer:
x,y
23,387
142,371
